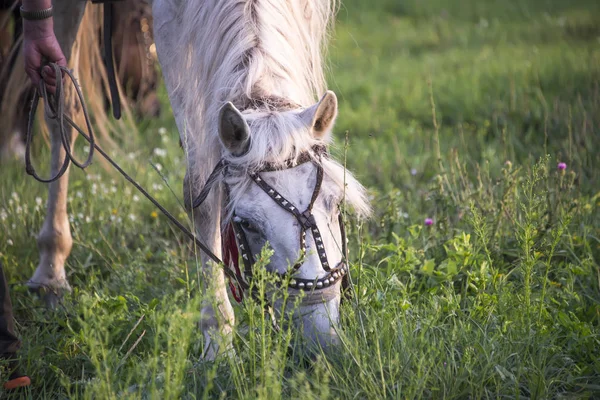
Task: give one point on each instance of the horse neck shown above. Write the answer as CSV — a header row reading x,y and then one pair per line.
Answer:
x,y
243,52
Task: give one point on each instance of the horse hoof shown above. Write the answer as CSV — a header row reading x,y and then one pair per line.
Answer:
x,y
50,297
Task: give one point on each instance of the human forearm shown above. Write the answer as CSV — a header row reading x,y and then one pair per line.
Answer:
x,y
35,5
35,29
39,42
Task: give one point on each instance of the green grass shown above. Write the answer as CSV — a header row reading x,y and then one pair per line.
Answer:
x,y
499,298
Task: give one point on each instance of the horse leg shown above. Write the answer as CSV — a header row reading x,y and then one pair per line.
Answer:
x,y
217,317
54,239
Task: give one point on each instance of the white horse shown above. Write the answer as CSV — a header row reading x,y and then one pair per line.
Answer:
x,y
243,77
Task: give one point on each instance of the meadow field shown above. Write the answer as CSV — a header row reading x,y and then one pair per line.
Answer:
x,y
475,125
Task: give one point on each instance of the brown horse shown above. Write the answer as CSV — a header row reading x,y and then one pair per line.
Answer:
x,y
135,59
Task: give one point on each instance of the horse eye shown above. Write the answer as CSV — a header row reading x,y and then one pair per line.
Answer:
x,y
248,226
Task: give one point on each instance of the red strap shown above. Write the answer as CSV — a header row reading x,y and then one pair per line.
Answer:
x,y
231,258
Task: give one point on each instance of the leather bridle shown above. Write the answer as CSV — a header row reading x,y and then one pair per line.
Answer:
x,y
305,219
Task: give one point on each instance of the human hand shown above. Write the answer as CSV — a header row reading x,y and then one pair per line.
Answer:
x,y
40,46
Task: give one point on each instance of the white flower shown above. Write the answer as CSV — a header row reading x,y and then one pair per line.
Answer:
x,y
79,194
9,242
131,156
413,171
164,139
86,149
136,197
3,214
10,202
88,219
80,216
156,187
94,188
113,217
113,189
15,196
158,167
38,201
132,217
159,152
162,130
19,209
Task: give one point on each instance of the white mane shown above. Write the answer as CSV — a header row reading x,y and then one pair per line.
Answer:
x,y
263,56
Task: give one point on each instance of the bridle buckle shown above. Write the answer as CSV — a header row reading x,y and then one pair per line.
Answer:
x,y
307,219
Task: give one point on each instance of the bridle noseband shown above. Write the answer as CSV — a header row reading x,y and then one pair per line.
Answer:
x,y
305,218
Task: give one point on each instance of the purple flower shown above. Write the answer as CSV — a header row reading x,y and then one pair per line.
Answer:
x,y
413,171
561,166
428,222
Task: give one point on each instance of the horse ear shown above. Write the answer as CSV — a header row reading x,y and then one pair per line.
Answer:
x,y
321,116
233,130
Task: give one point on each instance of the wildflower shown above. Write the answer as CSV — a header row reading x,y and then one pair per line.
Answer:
x,y
160,152
114,211
132,217
158,167
136,197
156,187
508,163
88,219
154,214
162,131
79,194
561,166
131,156
80,216
3,214
86,149
19,209
15,196
9,242
413,171
113,189
38,201
428,222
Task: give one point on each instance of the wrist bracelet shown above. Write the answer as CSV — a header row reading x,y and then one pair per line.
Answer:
x,y
36,15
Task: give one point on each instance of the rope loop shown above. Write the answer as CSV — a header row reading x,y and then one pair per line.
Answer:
x,y
54,110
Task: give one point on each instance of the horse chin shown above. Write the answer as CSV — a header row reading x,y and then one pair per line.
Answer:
x,y
319,323
316,319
